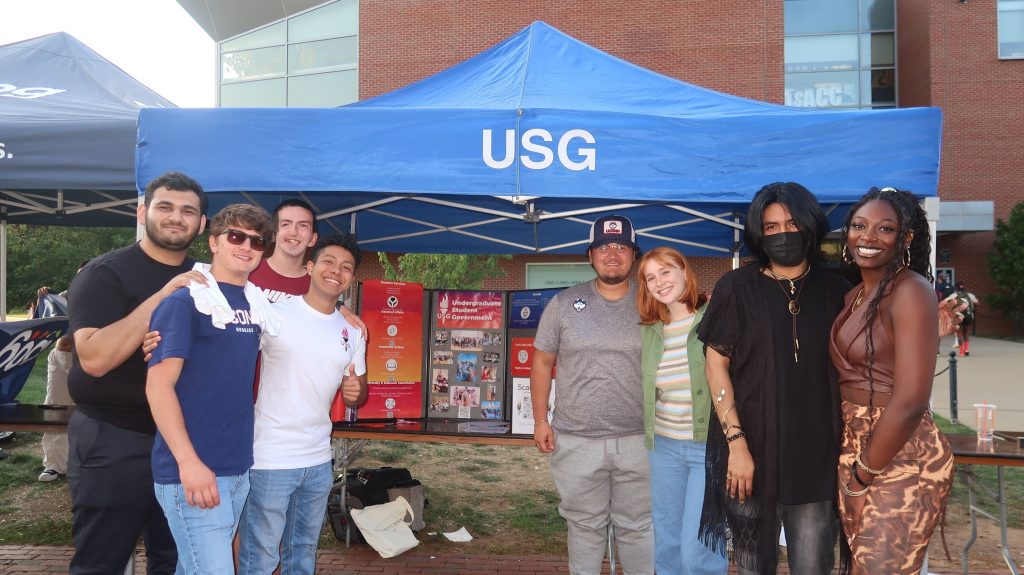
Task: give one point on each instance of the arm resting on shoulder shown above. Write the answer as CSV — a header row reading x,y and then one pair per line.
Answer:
x,y
100,350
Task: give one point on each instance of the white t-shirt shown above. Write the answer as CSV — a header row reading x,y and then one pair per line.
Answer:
x,y
301,372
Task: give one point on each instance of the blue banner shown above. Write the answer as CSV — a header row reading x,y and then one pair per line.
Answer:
x,y
526,307
20,343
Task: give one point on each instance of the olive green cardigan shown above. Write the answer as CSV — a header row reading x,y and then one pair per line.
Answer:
x,y
653,346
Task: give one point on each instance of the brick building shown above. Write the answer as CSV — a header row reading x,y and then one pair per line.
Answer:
x,y
966,57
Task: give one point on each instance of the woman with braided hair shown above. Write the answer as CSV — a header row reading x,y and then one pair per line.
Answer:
x,y
895,467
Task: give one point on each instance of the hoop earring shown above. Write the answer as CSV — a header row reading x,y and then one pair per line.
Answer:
x,y
846,255
906,258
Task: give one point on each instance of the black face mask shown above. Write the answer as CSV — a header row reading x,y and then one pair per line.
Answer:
x,y
787,249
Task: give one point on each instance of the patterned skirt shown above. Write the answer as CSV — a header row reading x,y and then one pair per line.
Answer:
x,y
904,504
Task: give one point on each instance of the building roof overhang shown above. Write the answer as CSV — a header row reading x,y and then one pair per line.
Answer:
x,y
224,19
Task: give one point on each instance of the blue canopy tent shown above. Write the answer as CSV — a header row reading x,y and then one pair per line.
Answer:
x,y
520,148
67,137
68,140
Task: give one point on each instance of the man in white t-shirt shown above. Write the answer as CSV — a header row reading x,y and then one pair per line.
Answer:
x,y
315,353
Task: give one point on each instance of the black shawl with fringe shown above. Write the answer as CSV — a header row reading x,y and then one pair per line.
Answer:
x,y
734,326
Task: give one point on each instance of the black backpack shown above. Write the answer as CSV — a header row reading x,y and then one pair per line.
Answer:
x,y
364,486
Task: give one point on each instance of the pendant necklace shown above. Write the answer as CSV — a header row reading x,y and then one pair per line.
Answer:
x,y
792,296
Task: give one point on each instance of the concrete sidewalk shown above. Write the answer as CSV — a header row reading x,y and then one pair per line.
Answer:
x,y
994,373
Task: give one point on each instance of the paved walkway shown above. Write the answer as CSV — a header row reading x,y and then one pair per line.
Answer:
x,y
994,373
29,559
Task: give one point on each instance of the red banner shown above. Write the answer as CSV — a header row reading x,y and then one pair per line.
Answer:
x,y
469,309
520,357
393,312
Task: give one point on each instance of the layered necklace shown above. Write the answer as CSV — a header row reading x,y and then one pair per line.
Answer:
x,y
793,297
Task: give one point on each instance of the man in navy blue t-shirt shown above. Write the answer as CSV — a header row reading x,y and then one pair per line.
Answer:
x,y
199,388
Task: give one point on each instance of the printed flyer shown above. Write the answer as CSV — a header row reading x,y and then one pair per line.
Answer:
x,y
393,312
467,355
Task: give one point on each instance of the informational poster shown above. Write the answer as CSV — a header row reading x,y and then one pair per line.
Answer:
x,y
467,355
526,307
525,310
521,407
393,312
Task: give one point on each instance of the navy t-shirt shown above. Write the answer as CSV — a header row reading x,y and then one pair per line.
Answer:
x,y
215,385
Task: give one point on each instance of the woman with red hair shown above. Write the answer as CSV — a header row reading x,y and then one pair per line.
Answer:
x,y
677,406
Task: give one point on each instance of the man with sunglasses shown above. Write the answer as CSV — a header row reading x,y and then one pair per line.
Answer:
x,y
111,432
199,387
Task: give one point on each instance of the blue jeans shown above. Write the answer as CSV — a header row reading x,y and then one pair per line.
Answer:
x,y
203,536
677,497
285,511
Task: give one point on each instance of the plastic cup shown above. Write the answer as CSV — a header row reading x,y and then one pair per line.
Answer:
x,y
985,418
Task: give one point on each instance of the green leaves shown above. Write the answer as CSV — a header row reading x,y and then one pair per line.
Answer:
x,y
1006,264
444,271
50,255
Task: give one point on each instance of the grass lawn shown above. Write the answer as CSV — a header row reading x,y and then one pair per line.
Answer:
x,y
503,495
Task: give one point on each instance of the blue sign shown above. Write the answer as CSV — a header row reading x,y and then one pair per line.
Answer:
x,y
526,307
20,343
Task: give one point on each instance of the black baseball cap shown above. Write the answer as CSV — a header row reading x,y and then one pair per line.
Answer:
x,y
612,230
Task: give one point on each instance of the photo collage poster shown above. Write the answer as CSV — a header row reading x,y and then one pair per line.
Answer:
x,y
393,312
525,309
467,355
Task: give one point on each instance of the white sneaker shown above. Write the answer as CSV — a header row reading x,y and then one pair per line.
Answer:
x,y
49,475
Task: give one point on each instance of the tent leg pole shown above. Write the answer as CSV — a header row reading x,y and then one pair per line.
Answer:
x,y
736,244
3,265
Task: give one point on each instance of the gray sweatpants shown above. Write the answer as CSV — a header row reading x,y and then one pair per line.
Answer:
x,y
602,481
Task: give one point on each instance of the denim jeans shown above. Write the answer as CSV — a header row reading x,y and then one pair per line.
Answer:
x,y
285,511
677,497
811,532
203,536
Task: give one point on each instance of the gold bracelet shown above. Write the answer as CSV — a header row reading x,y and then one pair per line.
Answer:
x,y
860,463
726,414
852,493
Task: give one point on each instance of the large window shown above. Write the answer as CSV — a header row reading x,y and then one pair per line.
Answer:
x,y
840,53
1011,29
308,60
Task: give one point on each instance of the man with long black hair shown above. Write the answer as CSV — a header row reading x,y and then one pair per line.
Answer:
x,y
774,392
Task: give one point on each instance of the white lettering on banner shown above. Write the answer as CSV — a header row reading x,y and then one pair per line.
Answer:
x,y
4,153
16,353
537,141
822,96
12,91
547,156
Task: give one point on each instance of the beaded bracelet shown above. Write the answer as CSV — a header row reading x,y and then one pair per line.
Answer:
x,y
735,436
860,463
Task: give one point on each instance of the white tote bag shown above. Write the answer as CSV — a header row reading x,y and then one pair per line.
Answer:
x,y
384,527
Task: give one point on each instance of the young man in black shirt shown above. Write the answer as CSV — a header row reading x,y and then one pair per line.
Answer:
x,y
766,329
111,433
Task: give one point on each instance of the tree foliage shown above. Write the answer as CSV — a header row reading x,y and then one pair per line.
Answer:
x,y
50,255
1006,265
444,271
